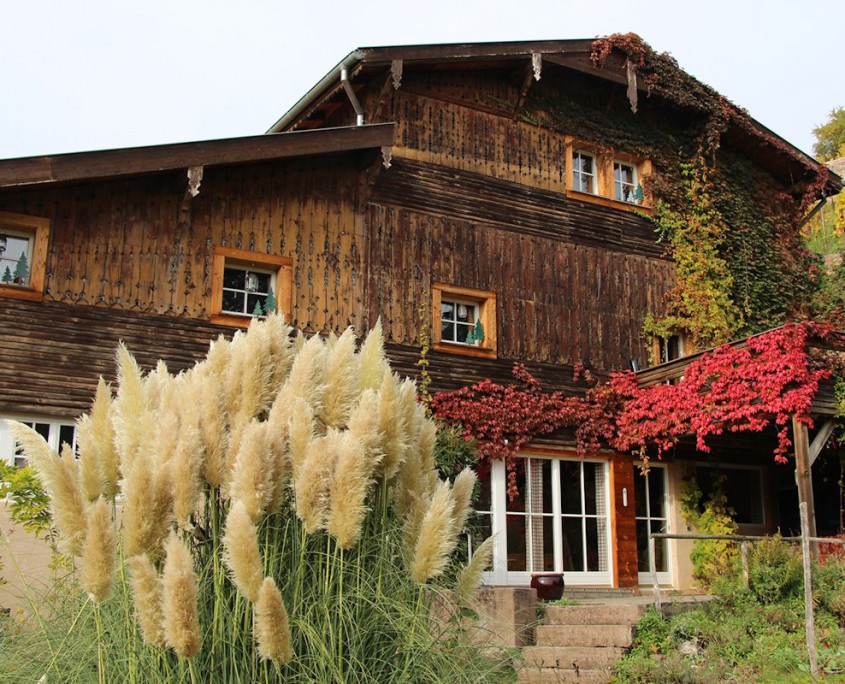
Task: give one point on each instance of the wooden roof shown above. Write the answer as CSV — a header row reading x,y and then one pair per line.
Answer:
x,y
787,160
136,161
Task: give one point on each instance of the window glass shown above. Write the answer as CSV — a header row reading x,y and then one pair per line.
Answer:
x,y
15,259
583,174
245,291
742,487
458,322
625,183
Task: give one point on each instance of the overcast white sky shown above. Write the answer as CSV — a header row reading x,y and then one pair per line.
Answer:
x,y
94,74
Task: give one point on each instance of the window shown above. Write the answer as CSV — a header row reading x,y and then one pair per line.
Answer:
x,y
583,173
248,284
625,186
467,320
55,432
742,487
607,177
23,255
652,516
558,522
670,348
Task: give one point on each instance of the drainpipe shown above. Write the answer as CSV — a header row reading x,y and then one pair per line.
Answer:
x,y
347,86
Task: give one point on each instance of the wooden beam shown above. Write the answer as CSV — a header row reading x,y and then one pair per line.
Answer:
x,y
531,72
803,471
84,166
816,446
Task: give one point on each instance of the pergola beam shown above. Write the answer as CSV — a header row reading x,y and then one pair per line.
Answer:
x,y
816,446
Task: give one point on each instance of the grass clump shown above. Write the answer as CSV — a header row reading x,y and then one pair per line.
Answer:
x,y
746,635
272,514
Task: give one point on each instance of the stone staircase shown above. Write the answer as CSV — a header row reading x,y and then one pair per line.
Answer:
x,y
580,643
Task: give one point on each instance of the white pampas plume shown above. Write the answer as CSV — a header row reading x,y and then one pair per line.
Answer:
x,y
156,385
364,424
129,410
281,353
462,489
350,483
342,379
212,424
185,474
60,477
240,551
98,460
146,597
301,433
252,475
373,362
272,629
179,599
147,507
470,577
391,425
97,558
311,485
306,374
436,538
247,374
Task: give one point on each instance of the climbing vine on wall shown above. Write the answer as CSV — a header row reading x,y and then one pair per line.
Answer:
x,y
732,227
747,388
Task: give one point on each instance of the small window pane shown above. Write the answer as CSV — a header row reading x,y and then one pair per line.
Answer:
x,y
447,311
656,497
570,487
233,301
517,542
252,300
640,494
263,284
16,260
573,544
464,313
233,278
447,331
66,435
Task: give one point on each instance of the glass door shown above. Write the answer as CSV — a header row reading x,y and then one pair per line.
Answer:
x,y
558,521
652,514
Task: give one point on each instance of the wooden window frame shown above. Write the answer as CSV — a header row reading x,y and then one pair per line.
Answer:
x,y
280,266
39,229
603,160
486,303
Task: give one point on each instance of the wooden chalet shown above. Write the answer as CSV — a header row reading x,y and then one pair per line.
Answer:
x,y
408,179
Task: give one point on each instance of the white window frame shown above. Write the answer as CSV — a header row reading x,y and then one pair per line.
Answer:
x,y
500,575
665,576
246,293
619,185
476,316
8,445
5,262
578,175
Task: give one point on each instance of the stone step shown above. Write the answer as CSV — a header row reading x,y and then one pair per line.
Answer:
x,y
566,657
584,635
550,675
594,614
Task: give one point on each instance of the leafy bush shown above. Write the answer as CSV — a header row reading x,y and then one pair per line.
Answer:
x,y
775,570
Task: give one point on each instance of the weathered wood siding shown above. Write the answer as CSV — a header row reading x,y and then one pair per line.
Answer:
x,y
568,291
129,245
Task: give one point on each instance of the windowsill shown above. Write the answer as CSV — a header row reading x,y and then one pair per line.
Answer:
x,y
465,350
232,320
19,292
608,202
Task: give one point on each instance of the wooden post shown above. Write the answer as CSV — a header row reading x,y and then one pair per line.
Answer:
x,y
652,565
744,553
810,623
804,474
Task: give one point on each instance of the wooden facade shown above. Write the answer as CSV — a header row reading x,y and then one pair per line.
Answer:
x,y
458,188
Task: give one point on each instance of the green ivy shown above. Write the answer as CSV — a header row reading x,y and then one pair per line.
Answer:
x,y
712,559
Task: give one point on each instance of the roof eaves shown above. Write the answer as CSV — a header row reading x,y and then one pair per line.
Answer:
x,y
136,161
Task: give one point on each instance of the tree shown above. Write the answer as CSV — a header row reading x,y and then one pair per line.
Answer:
x,y
22,270
830,136
270,302
7,275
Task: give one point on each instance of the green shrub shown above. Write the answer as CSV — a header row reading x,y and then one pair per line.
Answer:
x,y
775,570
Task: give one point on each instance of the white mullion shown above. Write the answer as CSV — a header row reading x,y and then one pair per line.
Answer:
x,y
557,520
583,522
529,516
498,493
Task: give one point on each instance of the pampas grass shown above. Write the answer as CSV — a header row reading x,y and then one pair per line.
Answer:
x,y
272,631
240,551
98,552
278,507
179,600
470,578
147,599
